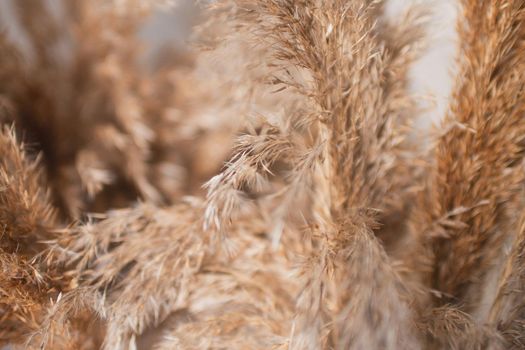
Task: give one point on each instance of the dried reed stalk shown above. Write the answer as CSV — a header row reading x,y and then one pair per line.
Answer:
x,y
462,219
26,217
507,311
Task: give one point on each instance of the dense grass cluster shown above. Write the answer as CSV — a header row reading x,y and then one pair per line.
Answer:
x,y
262,189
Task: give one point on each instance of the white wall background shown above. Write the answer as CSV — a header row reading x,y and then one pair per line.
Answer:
x,y
433,74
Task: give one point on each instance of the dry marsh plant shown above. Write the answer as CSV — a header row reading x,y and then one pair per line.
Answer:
x,y
261,188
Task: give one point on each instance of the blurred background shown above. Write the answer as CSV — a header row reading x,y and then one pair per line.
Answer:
x,y
431,76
